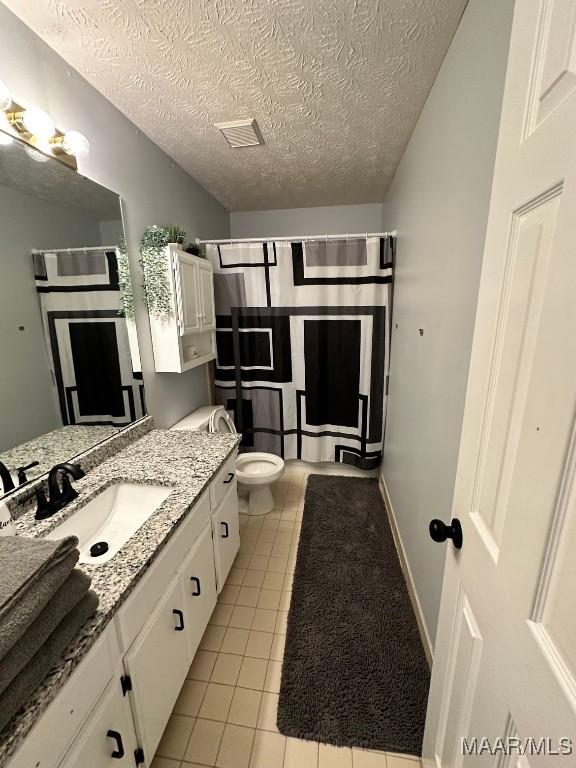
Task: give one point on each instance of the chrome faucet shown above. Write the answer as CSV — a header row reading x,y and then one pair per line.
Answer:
x,y
59,493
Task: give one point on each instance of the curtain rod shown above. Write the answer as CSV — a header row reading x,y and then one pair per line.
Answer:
x,y
75,250
296,238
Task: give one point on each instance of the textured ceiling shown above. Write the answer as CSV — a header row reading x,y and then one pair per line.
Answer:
x,y
336,85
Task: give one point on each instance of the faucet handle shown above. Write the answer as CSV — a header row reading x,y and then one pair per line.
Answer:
x,y
67,491
43,508
22,478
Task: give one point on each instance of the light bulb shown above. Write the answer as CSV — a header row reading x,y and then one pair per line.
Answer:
x,y
75,143
5,96
39,123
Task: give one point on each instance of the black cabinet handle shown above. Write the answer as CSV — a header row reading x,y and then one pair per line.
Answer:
x,y
180,616
229,478
226,533
439,531
118,753
196,581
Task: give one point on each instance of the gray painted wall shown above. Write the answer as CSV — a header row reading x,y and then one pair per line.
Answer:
x,y
153,188
28,406
332,220
438,202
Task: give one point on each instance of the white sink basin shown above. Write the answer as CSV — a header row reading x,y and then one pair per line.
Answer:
x,y
111,517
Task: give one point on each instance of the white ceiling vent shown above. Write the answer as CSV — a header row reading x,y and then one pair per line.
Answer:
x,y
241,133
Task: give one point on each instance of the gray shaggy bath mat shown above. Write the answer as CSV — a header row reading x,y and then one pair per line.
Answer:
x,y
354,671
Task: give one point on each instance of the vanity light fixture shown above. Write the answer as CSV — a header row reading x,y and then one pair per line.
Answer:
x,y
73,143
36,128
38,124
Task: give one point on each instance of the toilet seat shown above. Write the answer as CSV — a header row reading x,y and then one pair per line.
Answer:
x,y
258,468
255,471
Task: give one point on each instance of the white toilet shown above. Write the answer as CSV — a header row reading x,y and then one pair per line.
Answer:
x,y
255,471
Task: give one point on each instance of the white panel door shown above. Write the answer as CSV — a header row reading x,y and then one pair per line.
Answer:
x,y
107,739
226,528
206,286
198,582
157,663
188,297
505,655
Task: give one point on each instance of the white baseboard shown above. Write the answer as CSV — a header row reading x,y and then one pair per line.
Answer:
x,y
407,572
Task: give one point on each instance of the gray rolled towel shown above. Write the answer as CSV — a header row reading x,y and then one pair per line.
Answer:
x,y
68,596
24,561
33,602
31,572
23,686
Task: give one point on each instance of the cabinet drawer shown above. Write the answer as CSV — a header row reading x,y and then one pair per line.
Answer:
x,y
134,613
56,728
222,482
108,738
157,664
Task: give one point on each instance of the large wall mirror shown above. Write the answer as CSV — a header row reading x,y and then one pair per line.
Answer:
x,y
70,373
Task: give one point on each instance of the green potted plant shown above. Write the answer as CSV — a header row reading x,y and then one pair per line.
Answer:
x,y
174,234
153,260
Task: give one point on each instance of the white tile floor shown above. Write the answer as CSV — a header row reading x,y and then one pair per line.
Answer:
x,y
226,713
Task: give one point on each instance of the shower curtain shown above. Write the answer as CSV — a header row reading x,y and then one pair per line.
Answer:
x,y
302,333
94,364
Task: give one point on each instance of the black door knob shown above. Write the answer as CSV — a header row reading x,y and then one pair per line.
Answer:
x,y
439,531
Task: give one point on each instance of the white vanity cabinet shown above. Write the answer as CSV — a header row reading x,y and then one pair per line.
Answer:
x,y
120,697
198,585
225,522
186,338
157,664
226,533
108,738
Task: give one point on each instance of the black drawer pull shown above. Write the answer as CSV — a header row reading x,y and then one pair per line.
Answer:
x,y
196,581
180,616
226,532
229,478
118,753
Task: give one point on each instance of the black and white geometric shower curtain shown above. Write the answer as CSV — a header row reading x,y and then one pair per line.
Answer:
x,y
95,364
303,345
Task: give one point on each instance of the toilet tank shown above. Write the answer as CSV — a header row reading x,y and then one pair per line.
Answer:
x,y
198,420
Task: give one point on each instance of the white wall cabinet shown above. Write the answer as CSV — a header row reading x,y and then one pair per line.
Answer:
x,y
108,739
206,289
187,337
130,680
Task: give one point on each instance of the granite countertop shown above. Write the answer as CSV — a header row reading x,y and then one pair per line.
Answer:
x,y
53,447
185,461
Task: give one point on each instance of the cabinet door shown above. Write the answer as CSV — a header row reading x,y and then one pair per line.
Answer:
x,y
198,582
225,524
107,739
188,298
206,285
157,663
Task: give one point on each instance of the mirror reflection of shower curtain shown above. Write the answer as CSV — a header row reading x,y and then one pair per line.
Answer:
x,y
95,369
303,333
